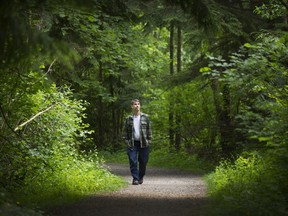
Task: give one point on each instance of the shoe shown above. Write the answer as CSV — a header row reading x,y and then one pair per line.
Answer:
x,y
135,182
140,181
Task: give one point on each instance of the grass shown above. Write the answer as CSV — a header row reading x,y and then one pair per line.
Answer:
x,y
67,183
252,185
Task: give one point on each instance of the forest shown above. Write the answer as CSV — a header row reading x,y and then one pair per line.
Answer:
x,y
211,74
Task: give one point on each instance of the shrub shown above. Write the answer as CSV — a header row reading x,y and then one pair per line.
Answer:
x,y
41,162
250,186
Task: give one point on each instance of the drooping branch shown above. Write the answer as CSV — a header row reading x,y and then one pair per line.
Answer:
x,y
34,117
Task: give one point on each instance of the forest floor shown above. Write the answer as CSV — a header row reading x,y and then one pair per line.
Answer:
x,y
165,192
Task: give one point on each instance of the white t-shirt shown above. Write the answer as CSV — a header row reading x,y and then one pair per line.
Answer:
x,y
136,124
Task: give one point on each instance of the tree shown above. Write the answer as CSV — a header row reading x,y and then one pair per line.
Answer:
x,y
171,103
222,39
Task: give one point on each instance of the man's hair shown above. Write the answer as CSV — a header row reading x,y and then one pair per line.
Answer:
x,y
134,100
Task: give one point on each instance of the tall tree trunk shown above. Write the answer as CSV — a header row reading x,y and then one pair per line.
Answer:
x,y
223,118
118,127
113,131
179,63
100,110
227,129
171,108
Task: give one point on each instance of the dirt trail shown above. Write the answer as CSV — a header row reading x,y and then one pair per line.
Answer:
x,y
163,193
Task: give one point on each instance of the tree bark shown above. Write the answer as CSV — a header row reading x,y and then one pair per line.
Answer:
x,y
171,108
223,118
178,115
100,110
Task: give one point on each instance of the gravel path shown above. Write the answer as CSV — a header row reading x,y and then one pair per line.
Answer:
x,y
163,193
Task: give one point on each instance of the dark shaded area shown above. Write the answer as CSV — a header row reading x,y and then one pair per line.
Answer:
x,y
108,205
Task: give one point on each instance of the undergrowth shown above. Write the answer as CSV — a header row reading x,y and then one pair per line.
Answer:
x,y
42,164
252,185
73,180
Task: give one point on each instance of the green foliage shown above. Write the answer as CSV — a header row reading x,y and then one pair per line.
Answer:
x,y
257,79
41,162
117,63
273,9
179,160
106,59
193,101
114,156
74,178
253,185
44,163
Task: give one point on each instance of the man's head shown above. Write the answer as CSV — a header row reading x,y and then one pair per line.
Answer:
x,y
135,101
135,106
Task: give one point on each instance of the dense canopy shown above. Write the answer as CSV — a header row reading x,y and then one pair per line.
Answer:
x,y
212,74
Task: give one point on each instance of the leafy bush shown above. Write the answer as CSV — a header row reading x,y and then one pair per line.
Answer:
x,y
71,180
254,183
41,162
250,186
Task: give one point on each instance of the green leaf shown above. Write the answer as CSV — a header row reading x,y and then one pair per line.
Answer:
x,y
205,69
91,18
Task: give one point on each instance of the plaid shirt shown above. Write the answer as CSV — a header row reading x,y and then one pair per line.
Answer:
x,y
145,131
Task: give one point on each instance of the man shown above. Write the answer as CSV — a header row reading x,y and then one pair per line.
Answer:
x,y
137,135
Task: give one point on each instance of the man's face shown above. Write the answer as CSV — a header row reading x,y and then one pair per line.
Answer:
x,y
135,107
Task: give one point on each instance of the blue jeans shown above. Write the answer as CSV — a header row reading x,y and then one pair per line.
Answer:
x,y
135,155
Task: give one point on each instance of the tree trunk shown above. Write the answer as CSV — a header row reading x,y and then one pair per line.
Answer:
x,y
100,110
113,127
178,115
223,118
226,125
171,108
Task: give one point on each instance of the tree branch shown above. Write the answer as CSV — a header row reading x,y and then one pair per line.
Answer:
x,y
35,116
49,69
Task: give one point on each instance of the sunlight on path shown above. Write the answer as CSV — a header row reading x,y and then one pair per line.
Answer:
x,y
161,183
163,193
